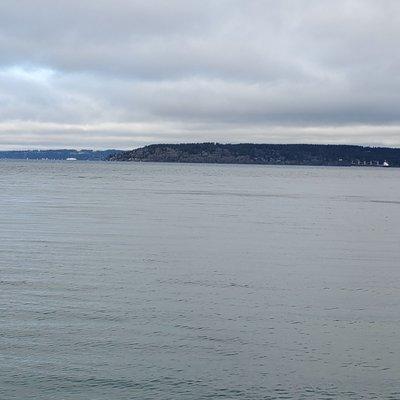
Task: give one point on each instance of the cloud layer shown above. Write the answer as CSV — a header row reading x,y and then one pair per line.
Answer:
x,y
122,73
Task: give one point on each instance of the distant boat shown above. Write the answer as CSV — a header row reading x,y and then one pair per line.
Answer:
x,y
71,159
385,164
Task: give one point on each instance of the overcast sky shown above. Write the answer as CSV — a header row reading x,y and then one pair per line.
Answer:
x,y
123,73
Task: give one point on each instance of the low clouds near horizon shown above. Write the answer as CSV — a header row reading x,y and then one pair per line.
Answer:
x,y
123,73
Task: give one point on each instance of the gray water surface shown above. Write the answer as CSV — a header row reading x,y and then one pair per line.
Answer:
x,y
167,281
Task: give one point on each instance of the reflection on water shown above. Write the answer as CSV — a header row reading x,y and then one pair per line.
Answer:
x,y
162,281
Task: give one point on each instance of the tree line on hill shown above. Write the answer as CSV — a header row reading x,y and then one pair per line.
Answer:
x,y
248,153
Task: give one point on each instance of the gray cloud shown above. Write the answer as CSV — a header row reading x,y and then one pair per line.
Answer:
x,y
123,73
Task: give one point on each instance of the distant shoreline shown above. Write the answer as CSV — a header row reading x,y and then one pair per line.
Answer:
x,y
216,153
58,154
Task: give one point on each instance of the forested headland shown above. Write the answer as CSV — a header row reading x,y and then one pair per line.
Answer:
x,y
276,154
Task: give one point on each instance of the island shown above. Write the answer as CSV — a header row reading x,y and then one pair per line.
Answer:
x,y
271,154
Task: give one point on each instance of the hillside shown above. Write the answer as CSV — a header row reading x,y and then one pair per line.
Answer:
x,y
281,154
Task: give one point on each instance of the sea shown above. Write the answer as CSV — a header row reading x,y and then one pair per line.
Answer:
x,y
123,281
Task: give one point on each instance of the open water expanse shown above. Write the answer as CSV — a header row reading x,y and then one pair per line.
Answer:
x,y
169,281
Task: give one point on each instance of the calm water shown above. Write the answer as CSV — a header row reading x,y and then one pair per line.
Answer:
x,y
162,281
